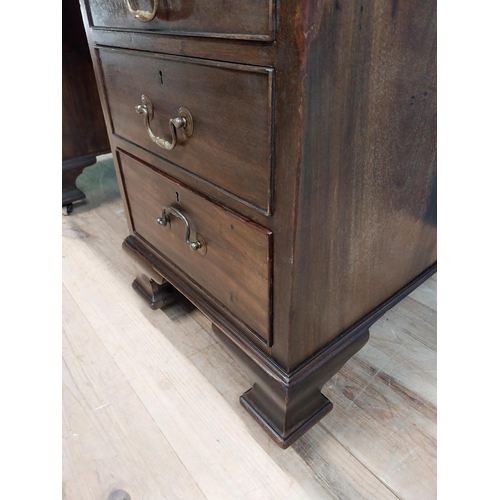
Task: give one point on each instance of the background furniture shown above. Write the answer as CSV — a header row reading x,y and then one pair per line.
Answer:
x,y
84,133
278,167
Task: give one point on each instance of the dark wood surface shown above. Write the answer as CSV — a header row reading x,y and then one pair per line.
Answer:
x,y
353,181
237,267
84,134
151,286
248,19
285,403
366,221
216,49
231,146
383,398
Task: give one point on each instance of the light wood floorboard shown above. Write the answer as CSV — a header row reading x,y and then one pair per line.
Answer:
x,y
151,399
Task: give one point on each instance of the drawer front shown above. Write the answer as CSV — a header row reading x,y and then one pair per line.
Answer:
x,y
231,106
243,19
234,265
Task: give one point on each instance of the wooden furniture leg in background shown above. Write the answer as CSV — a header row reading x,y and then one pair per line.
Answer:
x,y
71,169
84,133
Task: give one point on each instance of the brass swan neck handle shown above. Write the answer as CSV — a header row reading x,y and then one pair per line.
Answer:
x,y
164,220
143,15
184,121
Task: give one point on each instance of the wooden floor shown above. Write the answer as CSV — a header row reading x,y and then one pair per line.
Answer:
x,y
150,399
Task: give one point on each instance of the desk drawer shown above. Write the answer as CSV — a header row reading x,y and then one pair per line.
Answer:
x,y
241,19
234,263
231,106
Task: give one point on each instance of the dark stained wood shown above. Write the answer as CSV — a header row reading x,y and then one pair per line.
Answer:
x,y
157,296
255,53
352,183
231,146
146,256
289,132
237,267
209,190
365,222
246,19
150,285
285,403
286,407
84,132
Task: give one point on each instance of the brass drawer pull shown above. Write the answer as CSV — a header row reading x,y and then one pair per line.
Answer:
x,y
184,121
164,220
143,15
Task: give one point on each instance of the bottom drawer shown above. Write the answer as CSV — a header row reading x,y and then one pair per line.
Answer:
x,y
228,255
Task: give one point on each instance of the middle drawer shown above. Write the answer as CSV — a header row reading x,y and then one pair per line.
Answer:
x,y
232,117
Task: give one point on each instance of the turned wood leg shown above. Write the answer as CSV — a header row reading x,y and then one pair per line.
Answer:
x,y
149,284
287,404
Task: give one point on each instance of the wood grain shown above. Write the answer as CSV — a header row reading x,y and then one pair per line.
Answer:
x,y
237,267
353,180
101,408
245,19
167,387
367,182
377,443
238,51
231,146
354,168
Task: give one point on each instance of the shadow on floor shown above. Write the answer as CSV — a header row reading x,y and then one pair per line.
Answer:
x,y
99,184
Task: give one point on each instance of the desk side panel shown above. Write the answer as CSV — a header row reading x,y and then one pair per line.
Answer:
x,y
366,222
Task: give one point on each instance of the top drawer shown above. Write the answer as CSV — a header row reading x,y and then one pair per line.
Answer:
x,y
243,19
231,145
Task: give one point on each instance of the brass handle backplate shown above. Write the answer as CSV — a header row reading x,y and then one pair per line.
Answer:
x,y
164,220
143,15
184,121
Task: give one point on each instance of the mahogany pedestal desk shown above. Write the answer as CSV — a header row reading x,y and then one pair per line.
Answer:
x,y
277,162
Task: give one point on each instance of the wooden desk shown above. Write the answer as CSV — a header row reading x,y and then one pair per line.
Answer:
x,y
84,133
277,163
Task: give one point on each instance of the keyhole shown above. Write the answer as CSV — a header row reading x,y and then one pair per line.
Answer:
x,y
177,196
161,76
